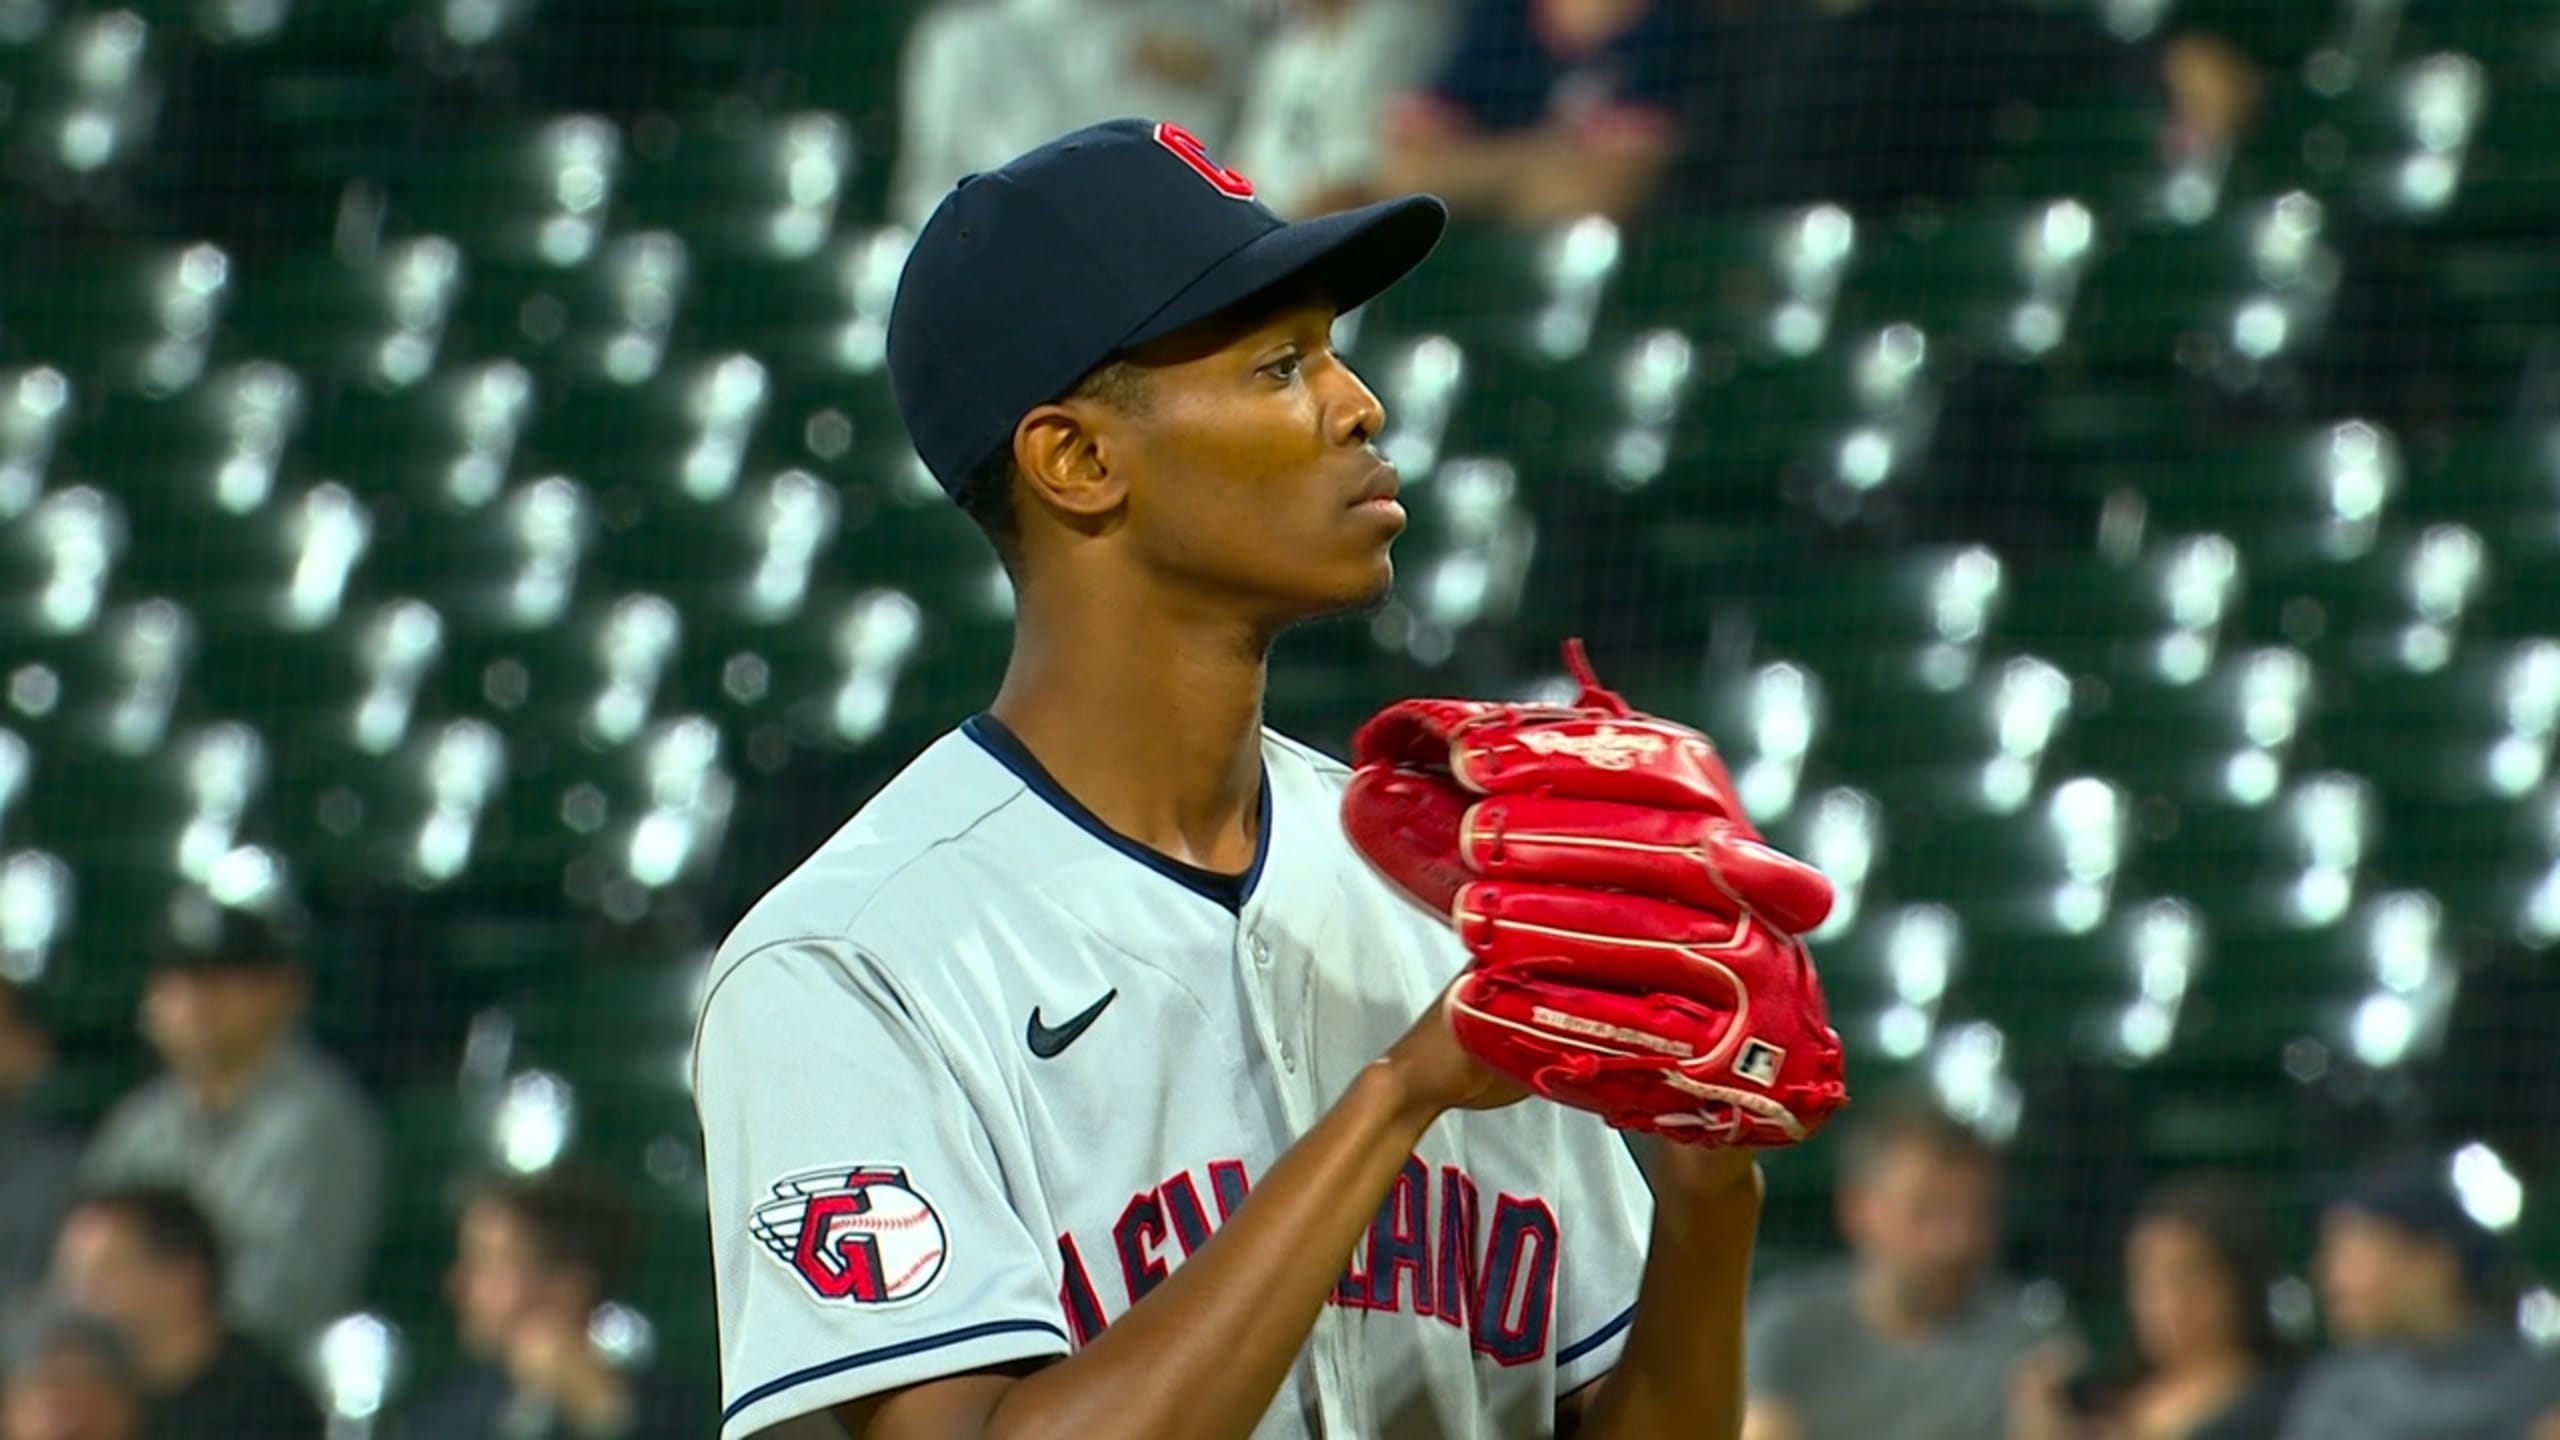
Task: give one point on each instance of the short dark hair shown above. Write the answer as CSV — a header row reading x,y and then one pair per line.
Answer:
x,y
2413,1196
208,937
576,1219
171,1226
1906,1120
2231,1220
987,497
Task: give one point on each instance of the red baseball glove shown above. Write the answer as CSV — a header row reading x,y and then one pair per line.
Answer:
x,y
1634,942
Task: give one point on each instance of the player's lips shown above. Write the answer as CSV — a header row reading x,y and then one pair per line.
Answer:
x,y
1380,493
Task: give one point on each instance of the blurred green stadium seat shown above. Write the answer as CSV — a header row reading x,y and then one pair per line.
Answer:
x,y
736,187
2103,146
141,319
2252,284
1761,283
2000,278
2226,737
527,193
2166,613
2507,180
379,323
1551,285
2284,495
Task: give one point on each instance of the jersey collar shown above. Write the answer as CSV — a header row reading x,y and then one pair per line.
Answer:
x,y
1230,891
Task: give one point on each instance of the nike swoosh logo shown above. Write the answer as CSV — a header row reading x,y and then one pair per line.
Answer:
x,y
1047,1042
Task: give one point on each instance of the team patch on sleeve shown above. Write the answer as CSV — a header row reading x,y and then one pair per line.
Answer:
x,y
861,1234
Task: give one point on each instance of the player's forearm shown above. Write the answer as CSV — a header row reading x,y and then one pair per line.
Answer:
x,y
1202,1356
1681,1371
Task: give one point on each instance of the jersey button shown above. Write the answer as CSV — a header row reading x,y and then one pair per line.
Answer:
x,y
1261,951
1288,1058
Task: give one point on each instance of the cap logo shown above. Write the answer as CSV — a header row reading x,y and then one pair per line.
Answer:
x,y
1187,147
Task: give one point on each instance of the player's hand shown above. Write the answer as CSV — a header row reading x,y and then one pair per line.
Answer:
x,y
1633,943
1434,1073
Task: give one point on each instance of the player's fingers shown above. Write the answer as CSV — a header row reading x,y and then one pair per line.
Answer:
x,y
1690,856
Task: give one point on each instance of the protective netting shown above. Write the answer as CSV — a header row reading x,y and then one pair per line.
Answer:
x,y
2096,467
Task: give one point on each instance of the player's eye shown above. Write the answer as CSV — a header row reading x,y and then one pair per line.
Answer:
x,y
1286,368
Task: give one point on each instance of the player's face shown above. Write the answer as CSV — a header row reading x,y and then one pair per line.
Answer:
x,y
1254,484
2183,1299
1928,1222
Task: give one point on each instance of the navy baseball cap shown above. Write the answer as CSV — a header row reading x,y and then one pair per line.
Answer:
x,y
2420,1203
1028,277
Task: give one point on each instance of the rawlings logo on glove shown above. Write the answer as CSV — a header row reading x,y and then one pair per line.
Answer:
x,y
1634,943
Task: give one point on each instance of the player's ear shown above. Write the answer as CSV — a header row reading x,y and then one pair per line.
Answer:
x,y
1065,460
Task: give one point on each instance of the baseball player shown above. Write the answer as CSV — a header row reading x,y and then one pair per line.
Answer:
x,y
1090,1081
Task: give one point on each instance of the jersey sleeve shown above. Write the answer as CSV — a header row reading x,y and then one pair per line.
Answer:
x,y
862,1239
1607,1228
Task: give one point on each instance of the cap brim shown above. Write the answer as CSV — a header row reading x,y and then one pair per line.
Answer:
x,y
1352,255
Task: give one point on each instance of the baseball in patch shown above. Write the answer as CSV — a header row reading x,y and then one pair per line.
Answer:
x,y
1759,1062
860,1234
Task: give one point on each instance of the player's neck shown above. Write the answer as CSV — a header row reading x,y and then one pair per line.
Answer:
x,y
1153,723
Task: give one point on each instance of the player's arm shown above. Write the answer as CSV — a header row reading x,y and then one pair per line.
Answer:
x,y
1681,1370
1202,1355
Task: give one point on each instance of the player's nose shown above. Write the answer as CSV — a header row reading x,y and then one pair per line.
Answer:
x,y
1354,415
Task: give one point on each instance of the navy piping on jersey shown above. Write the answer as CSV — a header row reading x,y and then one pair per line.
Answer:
x,y
1231,891
885,1353
1600,1337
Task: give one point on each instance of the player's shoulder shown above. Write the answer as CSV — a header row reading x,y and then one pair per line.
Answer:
x,y
909,857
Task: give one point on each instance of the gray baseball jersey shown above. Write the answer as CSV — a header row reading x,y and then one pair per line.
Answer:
x,y
978,1074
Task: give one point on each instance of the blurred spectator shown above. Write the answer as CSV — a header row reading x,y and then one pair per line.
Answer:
x,y
2215,94
2209,1363
35,1184
146,1261
1311,130
272,1139
1913,1337
1874,103
534,1262
1549,109
984,80
2407,1284
69,1378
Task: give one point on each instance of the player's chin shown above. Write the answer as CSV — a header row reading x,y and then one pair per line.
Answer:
x,y
1356,588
